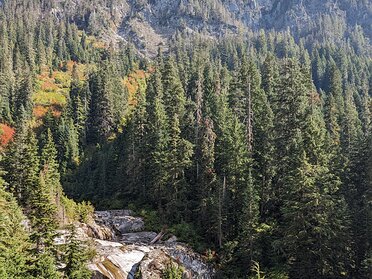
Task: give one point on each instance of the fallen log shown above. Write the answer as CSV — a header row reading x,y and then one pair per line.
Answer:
x,y
158,237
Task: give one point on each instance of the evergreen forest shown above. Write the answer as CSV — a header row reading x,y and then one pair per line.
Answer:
x,y
254,148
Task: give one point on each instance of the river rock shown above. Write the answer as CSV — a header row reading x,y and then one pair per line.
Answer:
x,y
108,215
127,224
121,221
153,265
102,232
193,262
117,261
172,239
139,237
97,275
131,255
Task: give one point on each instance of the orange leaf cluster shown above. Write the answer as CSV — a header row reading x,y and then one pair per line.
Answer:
x,y
132,84
7,134
40,111
49,86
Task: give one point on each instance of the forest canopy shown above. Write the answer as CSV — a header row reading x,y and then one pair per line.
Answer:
x,y
254,148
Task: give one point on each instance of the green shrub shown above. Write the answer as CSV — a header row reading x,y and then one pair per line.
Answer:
x,y
278,273
85,211
173,271
186,232
152,220
70,209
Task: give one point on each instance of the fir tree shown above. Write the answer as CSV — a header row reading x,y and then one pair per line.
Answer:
x,y
157,138
136,145
15,245
44,266
76,257
50,168
174,95
289,117
179,152
22,166
270,76
207,191
100,115
43,217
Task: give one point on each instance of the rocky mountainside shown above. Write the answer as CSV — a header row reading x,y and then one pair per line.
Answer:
x,y
149,23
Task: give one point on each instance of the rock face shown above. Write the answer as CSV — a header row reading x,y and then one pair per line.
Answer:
x,y
149,24
130,255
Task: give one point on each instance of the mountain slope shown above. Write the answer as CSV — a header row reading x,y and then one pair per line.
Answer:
x,y
149,23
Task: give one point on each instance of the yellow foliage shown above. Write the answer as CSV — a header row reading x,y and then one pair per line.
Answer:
x,y
49,98
134,82
52,89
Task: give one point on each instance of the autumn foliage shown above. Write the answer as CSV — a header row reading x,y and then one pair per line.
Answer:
x,y
6,134
134,82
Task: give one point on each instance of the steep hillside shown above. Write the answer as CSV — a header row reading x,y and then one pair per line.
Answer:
x,y
150,23
248,137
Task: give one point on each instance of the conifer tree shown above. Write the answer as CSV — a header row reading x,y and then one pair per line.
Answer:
x,y
179,152
67,143
100,115
75,99
179,149
22,165
365,110
223,119
334,107
46,197
43,217
312,207
270,76
351,124
23,100
289,116
357,192
330,115
50,166
76,258
157,138
44,266
135,150
207,191
174,95
15,245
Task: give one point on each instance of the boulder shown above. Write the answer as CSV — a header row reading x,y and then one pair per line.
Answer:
x,y
193,262
127,224
139,237
172,239
121,221
115,260
154,264
97,275
100,232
